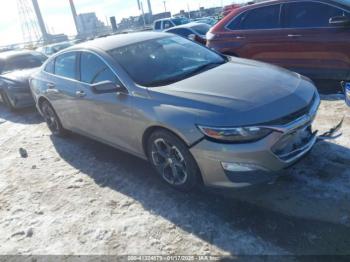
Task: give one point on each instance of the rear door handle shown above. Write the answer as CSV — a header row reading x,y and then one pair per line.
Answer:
x,y
292,35
240,37
80,94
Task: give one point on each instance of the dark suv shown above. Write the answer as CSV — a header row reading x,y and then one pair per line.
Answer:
x,y
311,37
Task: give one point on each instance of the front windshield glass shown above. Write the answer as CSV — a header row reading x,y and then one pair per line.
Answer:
x,y
201,29
165,60
181,21
24,61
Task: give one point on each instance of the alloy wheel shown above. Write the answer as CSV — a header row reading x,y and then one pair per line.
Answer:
x,y
50,118
169,161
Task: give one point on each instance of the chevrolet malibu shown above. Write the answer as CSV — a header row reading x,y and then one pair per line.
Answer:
x,y
197,116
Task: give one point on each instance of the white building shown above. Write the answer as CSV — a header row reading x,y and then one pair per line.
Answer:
x,y
90,25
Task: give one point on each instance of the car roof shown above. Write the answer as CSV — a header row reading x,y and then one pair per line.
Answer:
x,y
168,18
13,53
344,2
189,25
58,44
116,41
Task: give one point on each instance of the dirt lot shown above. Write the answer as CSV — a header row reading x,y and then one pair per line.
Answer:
x,y
77,196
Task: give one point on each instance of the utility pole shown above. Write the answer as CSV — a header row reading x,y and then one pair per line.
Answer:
x,y
143,15
75,16
40,20
189,11
164,2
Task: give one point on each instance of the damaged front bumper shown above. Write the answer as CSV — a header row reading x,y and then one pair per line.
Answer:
x,y
240,165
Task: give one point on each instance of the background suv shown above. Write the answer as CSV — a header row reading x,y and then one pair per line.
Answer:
x,y
306,36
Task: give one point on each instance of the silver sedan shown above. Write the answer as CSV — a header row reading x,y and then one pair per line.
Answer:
x,y
197,116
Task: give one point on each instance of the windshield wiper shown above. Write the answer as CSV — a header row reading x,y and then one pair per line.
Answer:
x,y
177,78
203,68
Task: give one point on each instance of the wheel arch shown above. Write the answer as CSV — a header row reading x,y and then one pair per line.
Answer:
x,y
150,130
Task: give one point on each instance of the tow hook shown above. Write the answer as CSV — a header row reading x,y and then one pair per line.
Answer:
x,y
333,133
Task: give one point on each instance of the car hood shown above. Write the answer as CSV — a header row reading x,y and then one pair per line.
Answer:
x,y
20,76
240,92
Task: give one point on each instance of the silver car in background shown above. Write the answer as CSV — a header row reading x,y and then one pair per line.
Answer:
x,y
15,69
197,116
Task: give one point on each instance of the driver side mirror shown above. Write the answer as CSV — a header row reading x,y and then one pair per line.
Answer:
x,y
339,21
107,87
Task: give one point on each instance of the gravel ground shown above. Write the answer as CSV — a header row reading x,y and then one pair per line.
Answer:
x,y
77,196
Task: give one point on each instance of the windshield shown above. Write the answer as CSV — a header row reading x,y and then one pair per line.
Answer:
x,y
201,29
181,21
25,61
165,60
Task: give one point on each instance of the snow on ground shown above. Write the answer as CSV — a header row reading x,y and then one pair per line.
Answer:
x,y
77,196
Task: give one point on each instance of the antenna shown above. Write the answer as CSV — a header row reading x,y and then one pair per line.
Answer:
x,y
29,24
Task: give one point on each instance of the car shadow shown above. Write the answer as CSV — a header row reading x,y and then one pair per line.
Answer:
x,y
26,116
210,214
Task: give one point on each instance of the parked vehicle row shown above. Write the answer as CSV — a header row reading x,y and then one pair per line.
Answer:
x,y
54,48
193,31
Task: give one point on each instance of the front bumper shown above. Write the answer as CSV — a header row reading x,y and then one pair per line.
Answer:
x,y
211,155
20,98
261,161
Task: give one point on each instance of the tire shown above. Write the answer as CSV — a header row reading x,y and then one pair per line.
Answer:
x,y
52,120
7,101
172,160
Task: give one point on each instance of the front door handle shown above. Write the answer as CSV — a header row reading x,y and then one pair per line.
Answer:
x,y
292,35
80,94
240,37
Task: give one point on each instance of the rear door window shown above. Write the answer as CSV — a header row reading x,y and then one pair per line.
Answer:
x,y
309,14
266,17
66,65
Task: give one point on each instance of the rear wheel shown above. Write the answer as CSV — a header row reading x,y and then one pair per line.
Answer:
x,y
173,161
52,120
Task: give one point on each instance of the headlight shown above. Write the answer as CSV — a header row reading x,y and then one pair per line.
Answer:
x,y
11,84
237,134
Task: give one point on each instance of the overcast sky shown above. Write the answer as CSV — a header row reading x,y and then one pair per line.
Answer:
x,y
58,18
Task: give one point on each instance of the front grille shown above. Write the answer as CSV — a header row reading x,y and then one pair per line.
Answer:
x,y
293,142
294,116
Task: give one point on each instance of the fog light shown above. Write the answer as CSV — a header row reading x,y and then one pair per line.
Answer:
x,y
241,167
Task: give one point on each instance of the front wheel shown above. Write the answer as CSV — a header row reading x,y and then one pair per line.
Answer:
x,y
173,161
52,120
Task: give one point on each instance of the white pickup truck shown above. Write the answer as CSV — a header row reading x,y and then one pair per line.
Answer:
x,y
166,23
